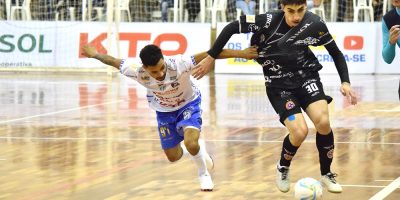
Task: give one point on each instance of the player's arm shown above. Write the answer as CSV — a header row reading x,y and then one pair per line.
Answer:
x,y
343,71
206,64
388,50
248,53
91,52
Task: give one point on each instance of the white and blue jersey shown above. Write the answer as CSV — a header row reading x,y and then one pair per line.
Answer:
x,y
175,91
176,100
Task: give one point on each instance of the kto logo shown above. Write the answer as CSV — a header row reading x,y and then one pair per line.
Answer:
x,y
133,39
353,42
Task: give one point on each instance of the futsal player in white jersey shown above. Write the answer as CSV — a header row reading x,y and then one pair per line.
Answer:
x,y
175,99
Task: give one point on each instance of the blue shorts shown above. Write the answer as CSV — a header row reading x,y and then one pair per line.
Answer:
x,y
171,124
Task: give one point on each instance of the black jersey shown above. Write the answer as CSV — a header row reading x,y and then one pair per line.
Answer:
x,y
283,51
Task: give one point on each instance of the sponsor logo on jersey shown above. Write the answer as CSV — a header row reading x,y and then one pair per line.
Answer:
x,y
250,19
162,87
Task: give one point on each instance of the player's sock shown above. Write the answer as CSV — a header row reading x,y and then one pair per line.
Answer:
x,y
209,160
185,152
288,152
200,161
325,145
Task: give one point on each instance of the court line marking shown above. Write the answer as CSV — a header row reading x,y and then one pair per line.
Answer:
x,y
386,180
58,112
157,139
396,109
387,190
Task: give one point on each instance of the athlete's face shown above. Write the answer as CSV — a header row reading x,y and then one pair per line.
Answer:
x,y
396,3
294,13
157,71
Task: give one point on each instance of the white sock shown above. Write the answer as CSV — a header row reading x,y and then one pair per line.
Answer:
x,y
184,150
202,145
200,161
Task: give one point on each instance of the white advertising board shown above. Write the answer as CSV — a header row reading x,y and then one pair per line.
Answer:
x,y
57,44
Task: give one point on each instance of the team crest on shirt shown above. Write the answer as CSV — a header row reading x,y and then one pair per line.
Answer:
x,y
187,114
290,105
174,84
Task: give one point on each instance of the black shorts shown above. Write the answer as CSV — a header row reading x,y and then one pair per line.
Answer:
x,y
287,102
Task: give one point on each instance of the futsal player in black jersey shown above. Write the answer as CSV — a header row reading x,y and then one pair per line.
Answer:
x,y
292,79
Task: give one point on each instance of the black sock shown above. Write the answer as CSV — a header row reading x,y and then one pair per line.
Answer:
x,y
288,152
325,145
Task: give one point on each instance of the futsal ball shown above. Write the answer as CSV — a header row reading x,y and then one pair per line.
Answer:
x,y
308,188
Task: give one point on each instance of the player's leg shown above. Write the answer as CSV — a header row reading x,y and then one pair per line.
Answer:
x,y
169,136
286,105
315,104
189,122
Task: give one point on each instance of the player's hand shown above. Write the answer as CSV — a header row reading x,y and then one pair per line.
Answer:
x,y
394,34
203,67
346,90
249,53
89,51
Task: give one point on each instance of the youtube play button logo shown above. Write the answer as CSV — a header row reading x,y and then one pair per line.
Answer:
x,y
353,42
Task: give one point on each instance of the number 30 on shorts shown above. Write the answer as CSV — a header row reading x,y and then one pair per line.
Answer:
x,y
312,87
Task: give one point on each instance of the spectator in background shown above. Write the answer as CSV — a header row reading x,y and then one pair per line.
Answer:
x,y
342,4
193,7
247,6
391,33
231,10
313,3
3,14
165,4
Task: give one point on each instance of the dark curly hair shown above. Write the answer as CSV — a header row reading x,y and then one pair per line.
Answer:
x,y
150,55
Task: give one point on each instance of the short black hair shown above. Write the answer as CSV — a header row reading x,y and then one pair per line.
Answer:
x,y
150,55
293,2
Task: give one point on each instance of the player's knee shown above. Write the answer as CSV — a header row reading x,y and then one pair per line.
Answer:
x,y
323,125
173,157
192,146
298,135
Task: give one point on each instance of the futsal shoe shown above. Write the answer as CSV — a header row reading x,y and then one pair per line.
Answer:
x,y
206,183
328,180
282,178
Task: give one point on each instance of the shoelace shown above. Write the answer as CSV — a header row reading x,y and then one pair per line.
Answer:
x,y
284,173
331,177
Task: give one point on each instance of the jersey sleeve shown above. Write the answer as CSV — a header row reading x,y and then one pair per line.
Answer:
x,y
183,62
322,34
130,68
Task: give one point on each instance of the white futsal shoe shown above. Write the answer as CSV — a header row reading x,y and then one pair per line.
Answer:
x,y
206,183
282,178
328,180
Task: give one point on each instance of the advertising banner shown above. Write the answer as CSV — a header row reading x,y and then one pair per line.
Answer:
x,y
57,44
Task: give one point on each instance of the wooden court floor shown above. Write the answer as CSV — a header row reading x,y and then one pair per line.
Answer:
x,y
94,137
